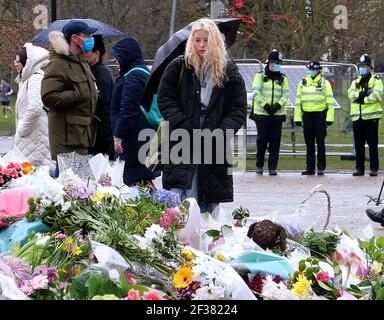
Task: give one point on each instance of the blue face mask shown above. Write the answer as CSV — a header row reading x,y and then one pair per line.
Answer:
x,y
312,73
363,71
88,44
276,68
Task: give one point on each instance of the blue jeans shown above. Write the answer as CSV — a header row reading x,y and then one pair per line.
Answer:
x,y
193,192
56,173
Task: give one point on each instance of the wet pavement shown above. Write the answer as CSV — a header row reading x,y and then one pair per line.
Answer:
x,y
5,144
263,195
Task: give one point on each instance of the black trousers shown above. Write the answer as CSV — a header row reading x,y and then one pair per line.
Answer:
x,y
315,131
268,135
366,131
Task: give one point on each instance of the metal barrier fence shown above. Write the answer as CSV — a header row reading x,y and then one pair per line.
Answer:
x,y
340,76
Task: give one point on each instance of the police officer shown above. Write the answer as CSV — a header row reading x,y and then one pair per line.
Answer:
x,y
365,95
270,95
314,110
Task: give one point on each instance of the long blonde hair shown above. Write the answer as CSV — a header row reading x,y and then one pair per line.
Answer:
x,y
216,56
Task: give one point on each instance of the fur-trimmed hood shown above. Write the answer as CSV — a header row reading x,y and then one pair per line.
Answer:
x,y
59,44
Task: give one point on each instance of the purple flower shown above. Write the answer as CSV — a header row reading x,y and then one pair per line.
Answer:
x,y
257,283
277,278
292,231
78,192
362,271
105,180
335,281
188,292
51,273
15,268
60,236
168,198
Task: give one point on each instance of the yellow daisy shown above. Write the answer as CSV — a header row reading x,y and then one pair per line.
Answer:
x,y
182,278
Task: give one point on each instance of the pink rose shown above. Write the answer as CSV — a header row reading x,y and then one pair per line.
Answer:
x,y
323,277
60,236
152,295
133,295
130,279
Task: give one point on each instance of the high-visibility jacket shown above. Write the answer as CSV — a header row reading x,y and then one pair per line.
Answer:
x,y
371,109
266,90
314,95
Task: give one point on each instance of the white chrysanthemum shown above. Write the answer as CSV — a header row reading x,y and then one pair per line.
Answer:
x,y
154,232
205,270
210,292
142,242
277,291
69,178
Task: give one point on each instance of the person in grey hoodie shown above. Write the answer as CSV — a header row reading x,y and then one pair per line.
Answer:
x,y
5,93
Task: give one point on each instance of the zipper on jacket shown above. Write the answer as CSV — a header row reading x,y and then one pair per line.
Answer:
x,y
273,91
361,116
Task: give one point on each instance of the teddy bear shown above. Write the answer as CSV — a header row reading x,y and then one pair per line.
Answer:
x,y
268,235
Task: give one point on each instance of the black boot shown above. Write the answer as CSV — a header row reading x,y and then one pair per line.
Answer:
x,y
308,172
376,216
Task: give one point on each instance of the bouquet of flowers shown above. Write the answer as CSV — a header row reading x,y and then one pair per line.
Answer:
x,y
14,171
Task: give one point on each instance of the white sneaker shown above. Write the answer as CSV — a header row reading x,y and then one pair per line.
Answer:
x,y
5,116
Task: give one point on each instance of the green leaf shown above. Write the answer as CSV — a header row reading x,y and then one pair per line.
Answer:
x,y
326,286
214,234
124,283
378,291
380,242
78,289
99,285
302,265
355,289
365,283
15,249
379,294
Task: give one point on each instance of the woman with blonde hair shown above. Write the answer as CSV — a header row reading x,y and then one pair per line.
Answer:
x,y
202,90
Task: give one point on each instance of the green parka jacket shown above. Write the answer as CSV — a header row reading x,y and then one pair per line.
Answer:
x,y
69,92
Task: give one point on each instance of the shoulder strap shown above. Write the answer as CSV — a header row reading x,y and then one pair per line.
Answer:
x,y
139,69
180,74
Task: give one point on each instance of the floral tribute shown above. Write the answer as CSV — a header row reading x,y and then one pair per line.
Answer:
x,y
14,171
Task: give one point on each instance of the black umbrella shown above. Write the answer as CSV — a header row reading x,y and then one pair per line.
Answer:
x,y
102,28
175,46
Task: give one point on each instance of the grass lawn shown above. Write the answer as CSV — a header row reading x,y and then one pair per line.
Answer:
x,y
7,125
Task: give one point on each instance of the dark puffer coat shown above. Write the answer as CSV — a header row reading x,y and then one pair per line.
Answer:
x,y
127,120
104,138
179,103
